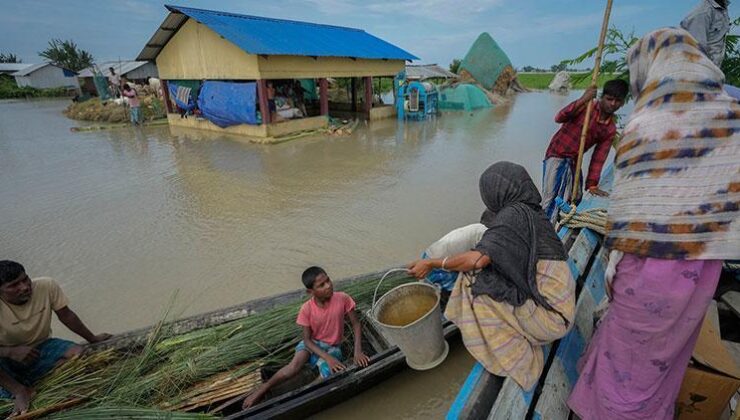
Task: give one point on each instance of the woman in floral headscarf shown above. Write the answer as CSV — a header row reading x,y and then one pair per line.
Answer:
x,y
672,220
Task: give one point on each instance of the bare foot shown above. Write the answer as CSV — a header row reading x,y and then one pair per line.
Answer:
x,y
252,399
21,400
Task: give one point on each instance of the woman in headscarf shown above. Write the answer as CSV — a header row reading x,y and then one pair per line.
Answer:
x,y
515,292
673,216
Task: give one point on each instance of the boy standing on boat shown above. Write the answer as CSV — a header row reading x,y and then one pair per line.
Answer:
x,y
322,319
27,351
560,158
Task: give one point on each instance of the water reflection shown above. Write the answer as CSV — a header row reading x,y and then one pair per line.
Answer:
x,y
123,218
164,208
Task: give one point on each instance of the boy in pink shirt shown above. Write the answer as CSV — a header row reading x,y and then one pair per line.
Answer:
x,y
322,319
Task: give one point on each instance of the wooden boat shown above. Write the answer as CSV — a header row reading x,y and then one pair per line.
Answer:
x,y
301,397
487,396
311,399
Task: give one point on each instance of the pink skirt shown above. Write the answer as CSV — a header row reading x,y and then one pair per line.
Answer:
x,y
636,360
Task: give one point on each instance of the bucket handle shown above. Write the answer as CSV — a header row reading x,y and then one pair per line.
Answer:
x,y
375,294
393,270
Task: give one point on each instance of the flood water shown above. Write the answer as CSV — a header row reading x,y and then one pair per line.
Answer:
x,y
124,218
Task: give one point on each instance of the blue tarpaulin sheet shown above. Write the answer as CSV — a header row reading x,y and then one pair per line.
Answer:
x,y
228,103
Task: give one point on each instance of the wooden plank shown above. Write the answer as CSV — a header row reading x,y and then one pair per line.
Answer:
x,y
166,96
476,396
581,251
368,94
324,96
263,101
512,401
732,299
562,375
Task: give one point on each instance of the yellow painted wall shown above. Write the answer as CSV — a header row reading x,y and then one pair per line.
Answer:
x,y
201,124
196,52
381,112
301,124
298,67
252,131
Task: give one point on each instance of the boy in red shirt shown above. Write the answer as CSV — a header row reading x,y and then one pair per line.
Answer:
x,y
560,158
322,319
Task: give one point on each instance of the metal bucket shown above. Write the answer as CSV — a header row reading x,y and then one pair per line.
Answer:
x,y
404,319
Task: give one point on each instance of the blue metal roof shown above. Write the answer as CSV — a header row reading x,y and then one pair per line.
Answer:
x,y
266,36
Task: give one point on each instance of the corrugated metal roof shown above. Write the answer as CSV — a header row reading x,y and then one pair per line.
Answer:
x,y
32,68
267,36
13,67
428,71
121,68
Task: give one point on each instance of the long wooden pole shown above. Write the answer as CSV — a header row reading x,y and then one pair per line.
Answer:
x,y
589,106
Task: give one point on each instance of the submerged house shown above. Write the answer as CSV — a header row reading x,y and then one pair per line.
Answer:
x,y
266,77
46,76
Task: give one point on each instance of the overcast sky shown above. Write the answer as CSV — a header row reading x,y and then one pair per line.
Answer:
x,y
538,33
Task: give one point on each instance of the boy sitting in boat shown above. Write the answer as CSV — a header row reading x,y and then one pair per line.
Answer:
x,y
322,319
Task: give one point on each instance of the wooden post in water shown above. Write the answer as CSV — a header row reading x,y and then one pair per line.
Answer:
x,y
324,96
587,121
262,96
368,95
166,96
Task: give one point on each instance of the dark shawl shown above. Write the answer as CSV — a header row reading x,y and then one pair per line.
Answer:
x,y
518,235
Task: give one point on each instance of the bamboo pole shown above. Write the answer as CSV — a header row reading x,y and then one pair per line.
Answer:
x,y
587,121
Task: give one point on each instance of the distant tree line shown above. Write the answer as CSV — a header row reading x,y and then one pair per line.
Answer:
x,y
618,43
455,65
58,52
9,58
66,54
553,69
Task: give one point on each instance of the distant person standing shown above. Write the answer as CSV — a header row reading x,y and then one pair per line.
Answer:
x,y
709,23
562,153
133,103
114,81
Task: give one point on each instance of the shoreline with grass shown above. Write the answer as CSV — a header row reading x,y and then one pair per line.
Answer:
x,y
580,80
9,90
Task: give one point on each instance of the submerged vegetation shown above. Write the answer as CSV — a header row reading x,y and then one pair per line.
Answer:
x,y
109,111
170,375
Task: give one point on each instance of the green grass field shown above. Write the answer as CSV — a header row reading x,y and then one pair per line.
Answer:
x,y
541,80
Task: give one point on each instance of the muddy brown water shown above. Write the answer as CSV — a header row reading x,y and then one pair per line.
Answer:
x,y
123,218
407,309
